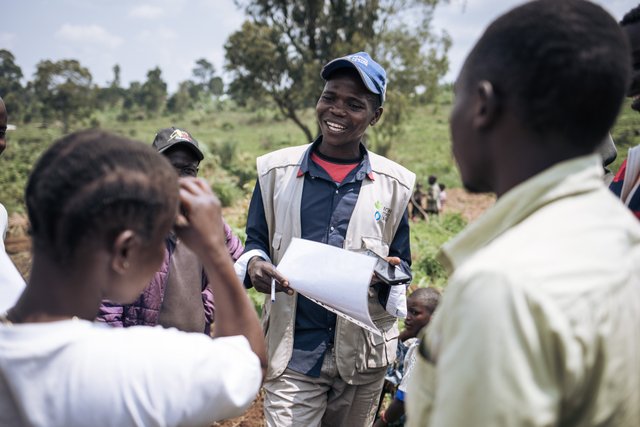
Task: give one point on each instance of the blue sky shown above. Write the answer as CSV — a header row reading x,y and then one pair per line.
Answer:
x,y
141,34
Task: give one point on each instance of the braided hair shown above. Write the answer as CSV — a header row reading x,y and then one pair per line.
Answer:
x,y
91,185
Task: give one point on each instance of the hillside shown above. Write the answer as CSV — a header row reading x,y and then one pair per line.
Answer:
x,y
231,138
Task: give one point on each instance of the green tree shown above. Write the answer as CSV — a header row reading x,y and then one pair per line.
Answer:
x,y
112,94
204,71
154,91
208,83
11,89
64,89
182,99
133,96
216,86
279,50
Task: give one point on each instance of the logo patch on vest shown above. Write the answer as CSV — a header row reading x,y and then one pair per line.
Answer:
x,y
381,213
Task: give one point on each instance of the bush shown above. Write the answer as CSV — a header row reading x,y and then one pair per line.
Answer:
x,y
226,152
227,191
426,240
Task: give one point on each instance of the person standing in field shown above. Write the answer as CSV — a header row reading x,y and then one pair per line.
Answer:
x,y
433,196
323,369
442,200
539,322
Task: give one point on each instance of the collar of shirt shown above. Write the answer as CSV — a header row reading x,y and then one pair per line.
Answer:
x,y
363,170
569,178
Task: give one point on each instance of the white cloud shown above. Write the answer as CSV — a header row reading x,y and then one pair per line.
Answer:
x,y
88,34
6,40
146,11
157,35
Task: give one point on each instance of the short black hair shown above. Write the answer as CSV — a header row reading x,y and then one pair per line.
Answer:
x,y
374,99
562,67
93,185
429,298
631,17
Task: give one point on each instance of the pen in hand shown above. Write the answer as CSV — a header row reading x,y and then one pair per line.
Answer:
x,y
273,289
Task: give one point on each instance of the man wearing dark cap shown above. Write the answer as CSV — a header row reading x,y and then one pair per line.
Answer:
x,y
179,295
323,369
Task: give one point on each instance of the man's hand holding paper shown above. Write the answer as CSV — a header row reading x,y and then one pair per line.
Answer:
x,y
336,278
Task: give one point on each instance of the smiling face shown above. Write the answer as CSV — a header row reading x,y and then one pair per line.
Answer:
x,y
344,111
633,34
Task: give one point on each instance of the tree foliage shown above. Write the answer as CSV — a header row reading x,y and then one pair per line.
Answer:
x,y
154,91
64,89
207,83
281,48
10,87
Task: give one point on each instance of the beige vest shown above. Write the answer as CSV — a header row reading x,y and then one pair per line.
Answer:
x,y
360,355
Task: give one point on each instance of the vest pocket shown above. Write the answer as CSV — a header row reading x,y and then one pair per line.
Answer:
x,y
277,240
380,351
377,245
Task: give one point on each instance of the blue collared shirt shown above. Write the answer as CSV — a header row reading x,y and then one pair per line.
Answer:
x,y
326,210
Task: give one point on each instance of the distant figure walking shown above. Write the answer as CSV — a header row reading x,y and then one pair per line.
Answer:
x,y
443,197
433,196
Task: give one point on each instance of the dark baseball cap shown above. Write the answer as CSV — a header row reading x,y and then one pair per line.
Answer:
x,y
372,74
169,137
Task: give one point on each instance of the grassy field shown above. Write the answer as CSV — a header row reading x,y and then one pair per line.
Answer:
x,y
231,139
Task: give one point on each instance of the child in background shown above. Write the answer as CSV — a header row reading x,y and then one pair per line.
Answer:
x,y
443,197
420,307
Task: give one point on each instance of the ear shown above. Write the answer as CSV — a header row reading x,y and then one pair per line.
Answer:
x,y
486,109
376,116
122,251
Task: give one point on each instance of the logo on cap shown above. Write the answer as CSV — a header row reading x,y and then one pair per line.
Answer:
x,y
180,134
360,59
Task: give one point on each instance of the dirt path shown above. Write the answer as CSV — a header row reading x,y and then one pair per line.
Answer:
x,y
470,206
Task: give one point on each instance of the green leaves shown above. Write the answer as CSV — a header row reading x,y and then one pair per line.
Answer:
x,y
64,90
278,53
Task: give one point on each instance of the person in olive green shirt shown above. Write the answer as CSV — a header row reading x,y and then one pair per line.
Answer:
x,y
538,325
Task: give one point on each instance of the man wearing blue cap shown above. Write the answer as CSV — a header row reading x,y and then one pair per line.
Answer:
x,y
323,369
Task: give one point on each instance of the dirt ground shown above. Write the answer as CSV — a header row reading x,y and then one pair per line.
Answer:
x,y
470,206
18,246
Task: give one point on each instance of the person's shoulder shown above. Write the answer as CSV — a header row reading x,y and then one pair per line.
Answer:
x,y
289,156
382,165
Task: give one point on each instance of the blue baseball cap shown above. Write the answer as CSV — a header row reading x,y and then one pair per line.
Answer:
x,y
372,74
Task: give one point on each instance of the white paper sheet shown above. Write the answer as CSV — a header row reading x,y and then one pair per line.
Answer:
x,y
335,278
